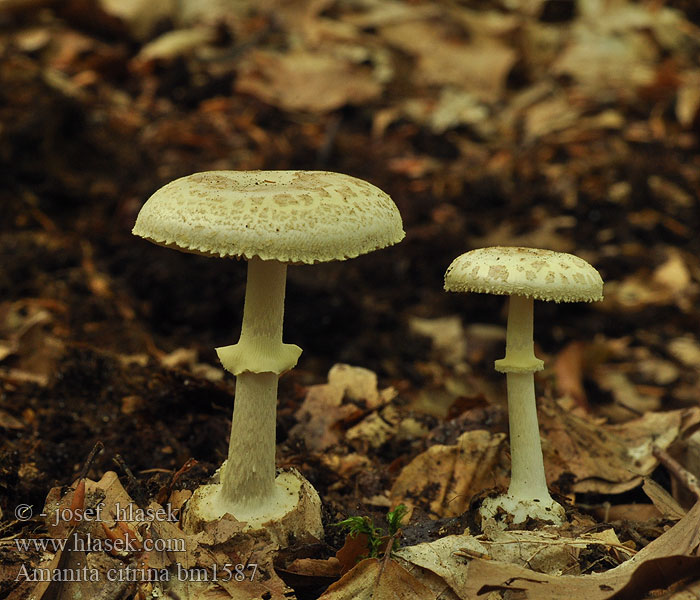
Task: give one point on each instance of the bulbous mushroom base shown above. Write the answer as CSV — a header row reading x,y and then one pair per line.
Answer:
x,y
293,514
520,510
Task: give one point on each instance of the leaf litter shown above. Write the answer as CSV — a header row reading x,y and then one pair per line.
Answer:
x,y
490,125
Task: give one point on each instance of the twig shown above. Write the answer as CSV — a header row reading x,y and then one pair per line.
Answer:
x,y
88,461
689,480
387,555
138,493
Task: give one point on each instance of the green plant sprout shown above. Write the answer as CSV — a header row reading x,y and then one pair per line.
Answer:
x,y
377,540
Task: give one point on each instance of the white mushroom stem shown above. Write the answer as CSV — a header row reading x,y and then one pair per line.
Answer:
x,y
520,355
527,479
260,348
527,495
248,478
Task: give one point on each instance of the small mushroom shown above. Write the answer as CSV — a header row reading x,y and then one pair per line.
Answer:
x,y
524,274
271,219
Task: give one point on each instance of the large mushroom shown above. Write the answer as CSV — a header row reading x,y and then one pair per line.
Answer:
x,y
271,219
524,274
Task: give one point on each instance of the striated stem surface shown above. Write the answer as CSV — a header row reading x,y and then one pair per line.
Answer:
x,y
248,478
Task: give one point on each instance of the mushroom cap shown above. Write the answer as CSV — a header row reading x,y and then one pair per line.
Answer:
x,y
289,216
530,272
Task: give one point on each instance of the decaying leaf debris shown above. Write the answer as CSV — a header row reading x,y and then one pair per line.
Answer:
x,y
572,126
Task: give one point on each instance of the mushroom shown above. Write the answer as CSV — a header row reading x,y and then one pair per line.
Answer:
x,y
524,274
271,219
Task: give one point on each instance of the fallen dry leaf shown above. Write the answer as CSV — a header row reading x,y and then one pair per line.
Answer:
x,y
373,579
548,116
360,385
183,556
306,81
479,66
551,552
630,512
673,274
446,334
687,350
635,398
662,500
179,42
608,51
442,480
666,560
669,283
323,411
688,101
605,458
140,16
371,432
355,547
568,367
28,340
346,465
7,421
315,567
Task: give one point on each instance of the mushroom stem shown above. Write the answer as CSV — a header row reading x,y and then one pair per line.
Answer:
x,y
263,310
528,496
520,355
527,478
248,478
260,348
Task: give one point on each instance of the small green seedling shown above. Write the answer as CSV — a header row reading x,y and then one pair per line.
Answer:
x,y
377,539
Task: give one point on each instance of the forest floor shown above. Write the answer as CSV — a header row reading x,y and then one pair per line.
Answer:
x,y
570,126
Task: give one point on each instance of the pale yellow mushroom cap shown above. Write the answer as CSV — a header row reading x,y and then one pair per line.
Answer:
x,y
540,274
289,216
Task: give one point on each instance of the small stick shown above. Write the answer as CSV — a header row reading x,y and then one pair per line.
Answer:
x,y
678,470
138,494
88,462
78,501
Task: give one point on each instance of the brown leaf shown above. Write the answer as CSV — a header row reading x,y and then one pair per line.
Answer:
x,y
306,81
446,334
180,42
323,411
315,567
354,548
480,65
28,328
608,49
7,421
443,479
372,579
371,432
663,501
607,458
688,100
140,16
666,560
687,350
569,371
